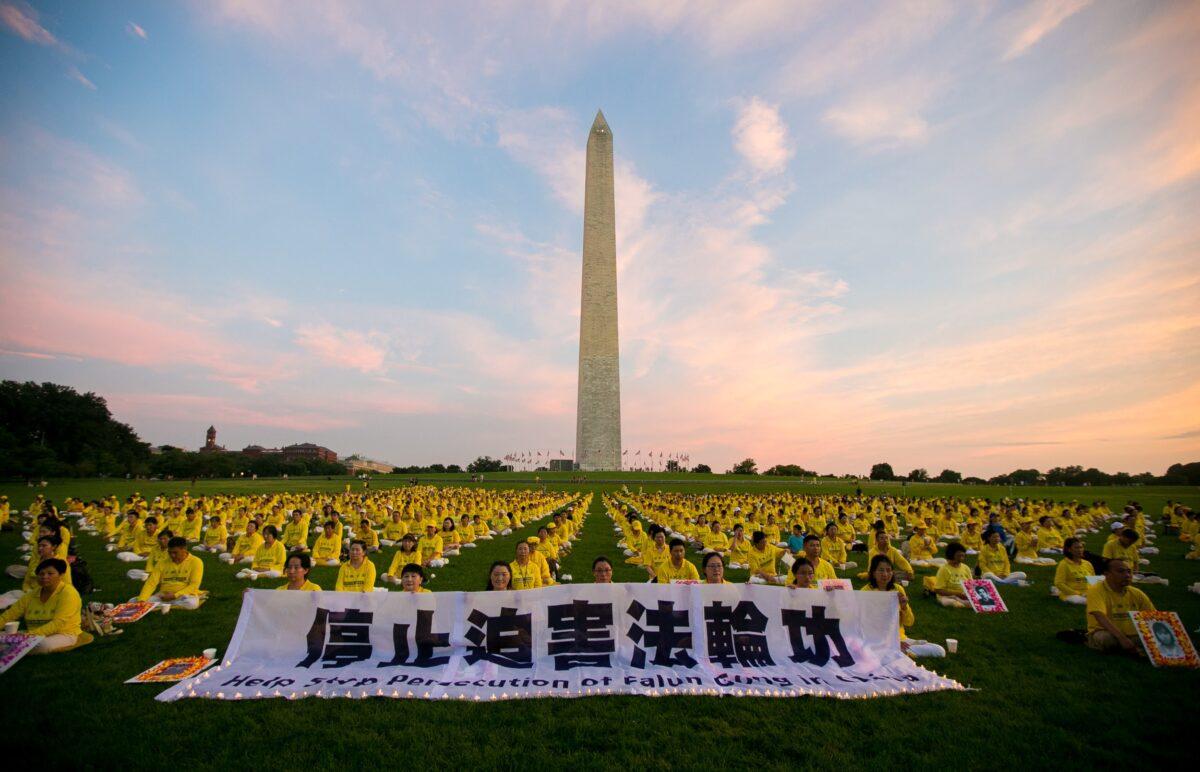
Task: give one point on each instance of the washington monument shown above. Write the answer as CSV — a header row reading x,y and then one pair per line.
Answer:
x,y
598,420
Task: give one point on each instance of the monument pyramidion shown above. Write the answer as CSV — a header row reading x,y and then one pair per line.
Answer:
x,y
598,420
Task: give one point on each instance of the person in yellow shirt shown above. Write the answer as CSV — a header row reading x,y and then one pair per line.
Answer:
x,y
739,548
157,557
191,525
1123,544
922,546
802,575
177,582
948,584
833,547
215,537
466,532
1071,575
245,546
525,573
327,549
1028,543
993,563
714,540
763,561
393,530
677,568
881,544
269,558
430,546
1050,539
296,570
1109,627
713,566
366,534
358,573
143,541
52,610
295,533
405,554
411,578
822,568
972,539
47,548
657,554
881,577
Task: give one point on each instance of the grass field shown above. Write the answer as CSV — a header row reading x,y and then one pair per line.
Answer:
x,y
1039,702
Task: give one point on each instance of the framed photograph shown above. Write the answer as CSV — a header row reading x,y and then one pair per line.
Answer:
x,y
834,584
1164,638
172,670
13,646
983,596
131,612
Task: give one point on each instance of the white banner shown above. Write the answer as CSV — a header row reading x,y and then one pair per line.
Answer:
x,y
565,641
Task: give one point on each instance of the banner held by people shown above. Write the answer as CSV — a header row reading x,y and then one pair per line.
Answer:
x,y
565,641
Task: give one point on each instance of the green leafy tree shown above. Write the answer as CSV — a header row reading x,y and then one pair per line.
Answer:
x,y
882,472
745,466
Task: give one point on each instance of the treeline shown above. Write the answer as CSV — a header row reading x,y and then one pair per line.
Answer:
x,y
1176,474
48,430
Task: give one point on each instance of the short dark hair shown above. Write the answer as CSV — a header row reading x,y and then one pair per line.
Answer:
x,y
149,520
305,560
811,538
601,559
675,543
708,559
270,529
177,542
58,565
952,549
412,568
1070,542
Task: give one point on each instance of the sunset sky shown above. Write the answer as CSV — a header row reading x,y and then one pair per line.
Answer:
x,y
938,234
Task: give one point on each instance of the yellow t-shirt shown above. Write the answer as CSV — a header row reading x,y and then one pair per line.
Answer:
x,y
1102,598
308,586
178,578
764,560
525,577
270,558
59,615
351,579
1071,578
952,578
670,573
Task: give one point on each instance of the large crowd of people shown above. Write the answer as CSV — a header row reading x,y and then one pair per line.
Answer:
x,y
792,540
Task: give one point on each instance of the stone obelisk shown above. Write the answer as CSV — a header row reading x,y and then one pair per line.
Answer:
x,y
598,421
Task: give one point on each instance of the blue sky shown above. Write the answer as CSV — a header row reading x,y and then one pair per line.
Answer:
x,y
941,234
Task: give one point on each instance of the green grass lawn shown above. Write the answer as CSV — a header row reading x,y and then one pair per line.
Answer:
x,y
1039,702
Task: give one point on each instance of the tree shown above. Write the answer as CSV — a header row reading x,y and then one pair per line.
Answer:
x,y
789,470
949,476
485,464
882,472
702,469
918,475
745,466
673,466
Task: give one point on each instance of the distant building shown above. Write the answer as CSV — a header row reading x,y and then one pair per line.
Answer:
x,y
309,451
357,464
210,442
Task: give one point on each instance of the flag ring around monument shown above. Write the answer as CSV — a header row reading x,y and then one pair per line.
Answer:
x,y
566,641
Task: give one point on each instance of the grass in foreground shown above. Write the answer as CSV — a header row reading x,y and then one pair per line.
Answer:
x,y
1039,701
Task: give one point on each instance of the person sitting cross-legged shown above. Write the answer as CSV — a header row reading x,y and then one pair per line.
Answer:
x,y
1109,627
1070,578
948,584
52,610
993,562
177,580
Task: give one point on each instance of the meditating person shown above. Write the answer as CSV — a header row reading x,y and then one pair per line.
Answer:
x,y
393,530
715,540
1071,575
51,610
47,548
295,533
833,548
499,576
657,553
922,547
327,548
881,544
947,586
602,570
466,532
714,568
451,539
143,542
764,561
526,575
298,566
430,546
677,568
406,553
1028,543
881,577
157,557
216,536
795,541
1050,539
739,548
822,568
971,538
244,546
1109,626
358,573
269,558
993,562
411,578
177,581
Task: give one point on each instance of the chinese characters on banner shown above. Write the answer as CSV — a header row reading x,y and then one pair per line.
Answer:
x,y
565,641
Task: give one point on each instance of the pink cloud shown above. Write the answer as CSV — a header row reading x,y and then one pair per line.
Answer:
x,y
362,351
761,137
74,74
1039,19
201,409
136,30
23,21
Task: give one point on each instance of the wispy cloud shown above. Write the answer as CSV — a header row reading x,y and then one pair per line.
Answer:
x,y
363,351
1037,20
136,30
761,137
22,20
74,74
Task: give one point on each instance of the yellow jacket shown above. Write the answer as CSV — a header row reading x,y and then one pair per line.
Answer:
x,y
179,578
59,615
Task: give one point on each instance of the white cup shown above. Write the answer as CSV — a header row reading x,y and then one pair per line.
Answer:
x,y
166,608
210,653
952,645
11,627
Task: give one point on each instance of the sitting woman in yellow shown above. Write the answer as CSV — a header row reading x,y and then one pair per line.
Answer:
x,y
406,553
1050,539
1070,578
367,535
993,563
466,532
714,540
126,532
971,538
158,556
393,530
246,545
1027,543
327,549
269,558
358,573
295,533
143,541
451,540
297,569
739,548
525,573
482,532
882,578
47,547
834,548
52,610
412,576
215,537
882,545
921,548
658,554
430,546
948,584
